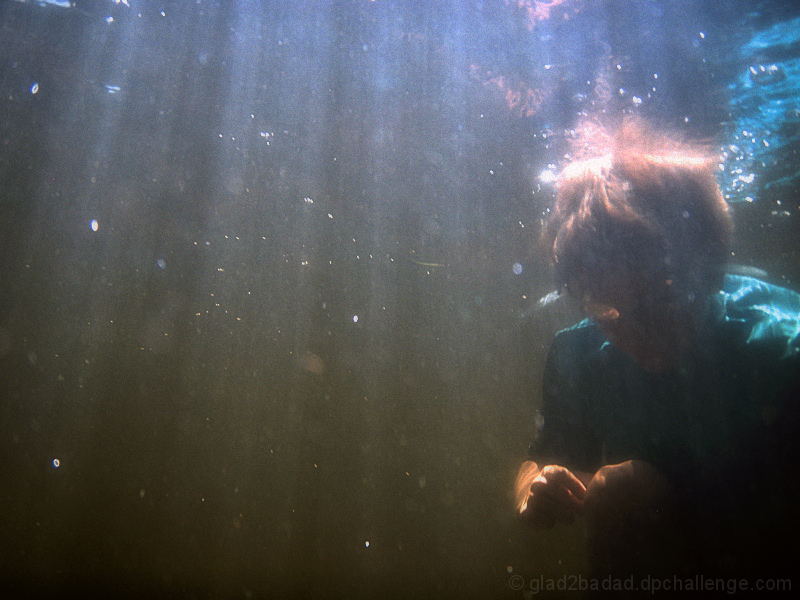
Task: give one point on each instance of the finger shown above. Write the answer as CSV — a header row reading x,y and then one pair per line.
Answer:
x,y
559,481
544,512
565,478
557,494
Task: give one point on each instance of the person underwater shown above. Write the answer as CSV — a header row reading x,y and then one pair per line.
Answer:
x,y
669,416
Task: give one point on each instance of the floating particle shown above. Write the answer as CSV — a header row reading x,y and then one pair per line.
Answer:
x,y
548,299
312,363
517,268
34,88
162,264
355,318
56,463
94,224
548,176
767,74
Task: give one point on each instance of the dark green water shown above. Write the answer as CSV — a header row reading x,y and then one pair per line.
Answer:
x,y
263,266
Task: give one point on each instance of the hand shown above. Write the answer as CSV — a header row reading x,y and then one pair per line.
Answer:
x,y
628,491
550,495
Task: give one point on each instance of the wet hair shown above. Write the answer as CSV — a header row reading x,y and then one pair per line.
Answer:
x,y
643,202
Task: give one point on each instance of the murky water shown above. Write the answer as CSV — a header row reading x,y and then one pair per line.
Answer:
x,y
263,266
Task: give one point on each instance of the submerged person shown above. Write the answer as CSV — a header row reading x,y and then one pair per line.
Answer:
x,y
669,415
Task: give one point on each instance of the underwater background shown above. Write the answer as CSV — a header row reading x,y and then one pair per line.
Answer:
x,y
269,274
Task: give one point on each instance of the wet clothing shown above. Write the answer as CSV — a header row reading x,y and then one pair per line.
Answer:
x,y
723,426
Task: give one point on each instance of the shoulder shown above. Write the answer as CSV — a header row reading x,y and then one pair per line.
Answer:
x,y
761,313
584,334
577,345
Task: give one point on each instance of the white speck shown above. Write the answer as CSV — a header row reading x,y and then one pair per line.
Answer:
x,y
56,463
94,225
109,20
308,200
747,178
702,35
637,101
366,544
162,264
547,176
34,88
510,569
355,318
548,299
517,268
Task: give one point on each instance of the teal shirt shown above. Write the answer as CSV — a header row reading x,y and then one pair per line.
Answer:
x,y
599,407
730,407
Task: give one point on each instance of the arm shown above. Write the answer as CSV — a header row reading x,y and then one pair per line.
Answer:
x,y
551,493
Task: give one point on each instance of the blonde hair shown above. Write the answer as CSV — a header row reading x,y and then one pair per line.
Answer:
x,y
642,201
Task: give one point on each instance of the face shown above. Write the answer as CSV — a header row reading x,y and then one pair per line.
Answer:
x,y
639,317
